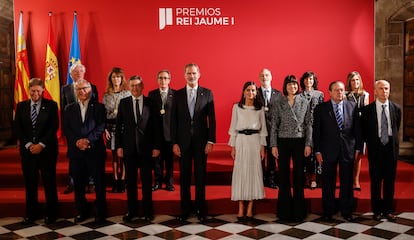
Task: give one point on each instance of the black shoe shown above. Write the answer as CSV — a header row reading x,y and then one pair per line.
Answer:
x,y
28,221
391,217
80,218
50,220
156,187
241,219
327,218
182,218
128,217
377,216
69,189
149,218
99,219
348,218
170,188
115,188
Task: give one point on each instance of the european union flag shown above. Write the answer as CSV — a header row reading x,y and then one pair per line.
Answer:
x,y
74,53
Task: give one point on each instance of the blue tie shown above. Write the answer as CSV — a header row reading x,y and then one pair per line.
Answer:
x,y
191,103
338,116
384,126
34,114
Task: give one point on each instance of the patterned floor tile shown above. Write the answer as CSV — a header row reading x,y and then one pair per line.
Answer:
x,y
223,227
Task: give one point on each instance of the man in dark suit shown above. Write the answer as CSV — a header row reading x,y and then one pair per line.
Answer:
x,y
137,140
381,122
68,96
163,97
193,134
36,125
337,140
83,126
269,96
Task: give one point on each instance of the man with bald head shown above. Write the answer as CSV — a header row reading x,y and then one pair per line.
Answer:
x,y
68,96
269,97
381,123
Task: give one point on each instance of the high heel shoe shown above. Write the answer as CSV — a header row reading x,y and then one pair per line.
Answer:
x,y
241,219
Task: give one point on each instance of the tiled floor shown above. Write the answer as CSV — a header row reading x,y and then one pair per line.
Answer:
x,y
264,226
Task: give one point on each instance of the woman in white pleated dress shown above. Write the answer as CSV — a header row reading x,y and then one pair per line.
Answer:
x,y
247,138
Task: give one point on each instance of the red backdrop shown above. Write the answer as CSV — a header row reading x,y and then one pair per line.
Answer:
x,y
329,37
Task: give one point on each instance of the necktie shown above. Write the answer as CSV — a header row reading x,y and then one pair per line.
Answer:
x,y
384,126
266,95
338,116
34,114
163,98
137,112
191,103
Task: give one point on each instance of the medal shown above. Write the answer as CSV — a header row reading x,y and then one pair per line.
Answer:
x,y
162,111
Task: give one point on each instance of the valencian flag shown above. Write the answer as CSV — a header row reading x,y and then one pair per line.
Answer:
x,y
21,85
74,53
52,83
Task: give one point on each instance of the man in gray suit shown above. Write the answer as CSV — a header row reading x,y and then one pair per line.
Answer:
x,y
337,141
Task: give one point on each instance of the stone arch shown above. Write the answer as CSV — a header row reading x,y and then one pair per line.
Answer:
x,y
390,17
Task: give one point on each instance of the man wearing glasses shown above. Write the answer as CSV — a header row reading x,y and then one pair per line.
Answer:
x,y
163,97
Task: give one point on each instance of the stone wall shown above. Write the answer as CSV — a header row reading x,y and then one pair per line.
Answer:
x,y
390,16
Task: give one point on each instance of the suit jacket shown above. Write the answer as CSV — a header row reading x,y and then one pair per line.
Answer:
x,y
328,139
68,95
291,122
92,128
155,95
370,128
142,137
45,130
202,126
274,98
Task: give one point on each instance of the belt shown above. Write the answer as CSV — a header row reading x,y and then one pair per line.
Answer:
x,y
248,131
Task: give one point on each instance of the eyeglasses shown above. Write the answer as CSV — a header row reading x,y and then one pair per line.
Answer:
x,y
82,88
163,78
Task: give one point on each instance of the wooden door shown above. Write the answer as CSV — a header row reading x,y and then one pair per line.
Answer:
x,y
6,80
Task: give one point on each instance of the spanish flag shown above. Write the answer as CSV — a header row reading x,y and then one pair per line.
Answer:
x,y
21,85
52,83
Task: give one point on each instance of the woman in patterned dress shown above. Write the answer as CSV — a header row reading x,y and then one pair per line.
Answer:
x,y
116,89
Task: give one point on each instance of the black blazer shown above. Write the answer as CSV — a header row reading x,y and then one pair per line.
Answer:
x,y
274,98
92,128
45,130
203,125
328,139
155,96
370,128
127,131
68,95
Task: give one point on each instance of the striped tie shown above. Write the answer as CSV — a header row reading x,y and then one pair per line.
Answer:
x,y
34,114
338,116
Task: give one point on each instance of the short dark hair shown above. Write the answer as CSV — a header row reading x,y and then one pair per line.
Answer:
x,y
306,75
289,79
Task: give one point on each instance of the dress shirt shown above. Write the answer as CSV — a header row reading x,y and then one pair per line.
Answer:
x,y
83,108
378,105
189,92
